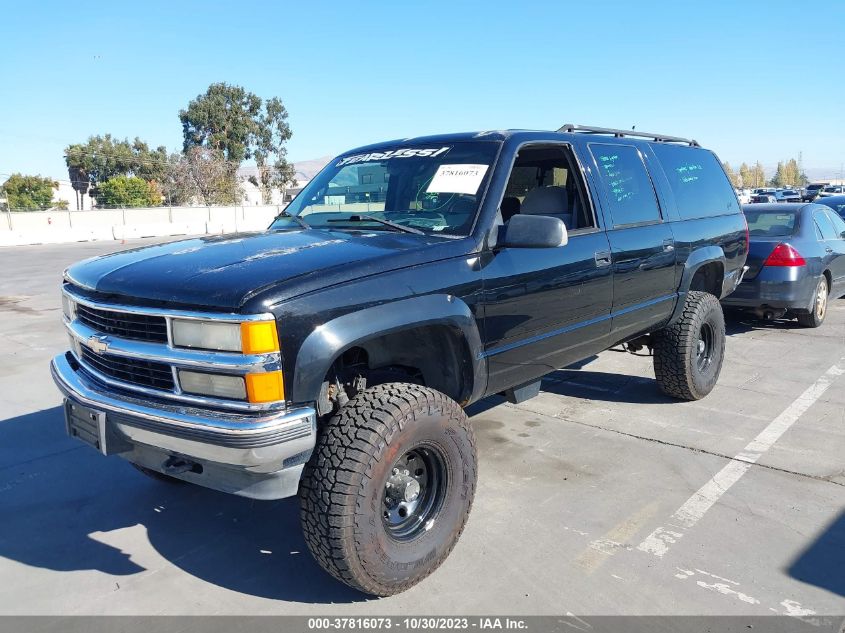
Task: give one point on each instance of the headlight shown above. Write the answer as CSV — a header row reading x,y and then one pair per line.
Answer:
x,y
68,307
213,385
207,335
252,337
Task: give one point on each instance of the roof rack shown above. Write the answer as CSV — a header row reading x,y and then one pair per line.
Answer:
x,y
659,138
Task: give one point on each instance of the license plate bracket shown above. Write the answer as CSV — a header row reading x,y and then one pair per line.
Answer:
x,y
86,424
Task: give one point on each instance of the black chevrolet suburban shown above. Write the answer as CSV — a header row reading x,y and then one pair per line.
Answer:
x,y
331,356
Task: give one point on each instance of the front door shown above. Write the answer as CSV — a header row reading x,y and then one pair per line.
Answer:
x,y
545,308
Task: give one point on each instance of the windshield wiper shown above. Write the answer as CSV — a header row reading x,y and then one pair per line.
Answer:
x,y
295,218
362,217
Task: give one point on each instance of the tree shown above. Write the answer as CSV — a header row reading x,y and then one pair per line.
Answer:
x,y
270,150
757,176
795,177
127,191
103,157
780,178
731,174
745,175
29,193
241,126
203,175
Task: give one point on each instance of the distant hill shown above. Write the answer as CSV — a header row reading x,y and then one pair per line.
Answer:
x,y
307,169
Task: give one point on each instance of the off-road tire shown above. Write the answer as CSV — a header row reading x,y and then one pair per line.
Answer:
x,y
815,316
677,364
154,474
342,502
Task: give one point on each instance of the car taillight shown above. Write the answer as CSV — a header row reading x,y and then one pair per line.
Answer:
x,y
784,255
747,235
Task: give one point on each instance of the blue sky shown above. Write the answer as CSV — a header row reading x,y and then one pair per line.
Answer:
x,y
746,79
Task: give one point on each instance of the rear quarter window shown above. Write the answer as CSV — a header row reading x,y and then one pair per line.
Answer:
x,y
838,224
701,188
825,225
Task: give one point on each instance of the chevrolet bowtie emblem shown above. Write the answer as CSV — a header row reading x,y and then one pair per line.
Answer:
x,y
98,344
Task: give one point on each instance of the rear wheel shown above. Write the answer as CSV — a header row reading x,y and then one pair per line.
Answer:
x,y
389,487
818,310
688,354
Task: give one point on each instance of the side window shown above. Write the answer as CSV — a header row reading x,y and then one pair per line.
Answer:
x,y
626,184
825,225
545,181
838,223
697,179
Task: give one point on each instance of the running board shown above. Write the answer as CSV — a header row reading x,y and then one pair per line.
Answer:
x,y
515,395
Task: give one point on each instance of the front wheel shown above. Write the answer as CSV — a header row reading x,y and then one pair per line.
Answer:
x,y
818,310
389,487
688,354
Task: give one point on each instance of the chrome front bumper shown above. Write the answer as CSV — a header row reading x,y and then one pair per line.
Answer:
x,y
258,455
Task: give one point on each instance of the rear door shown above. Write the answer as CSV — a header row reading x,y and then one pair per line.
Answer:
x,y
641,242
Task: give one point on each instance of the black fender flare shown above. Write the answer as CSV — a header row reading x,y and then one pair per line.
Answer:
x,y
328,341
698,258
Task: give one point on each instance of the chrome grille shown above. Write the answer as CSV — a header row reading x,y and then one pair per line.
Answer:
x,y
132,370
129,347
140,327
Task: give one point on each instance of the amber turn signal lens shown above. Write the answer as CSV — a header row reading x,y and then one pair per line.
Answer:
x,y
265,387
259,337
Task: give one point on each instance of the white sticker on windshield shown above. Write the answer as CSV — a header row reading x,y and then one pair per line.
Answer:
x,y
457,179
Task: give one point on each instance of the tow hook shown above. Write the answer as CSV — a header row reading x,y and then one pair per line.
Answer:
x,y
178,465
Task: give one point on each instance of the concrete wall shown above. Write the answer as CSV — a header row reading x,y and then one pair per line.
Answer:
x,y
49,227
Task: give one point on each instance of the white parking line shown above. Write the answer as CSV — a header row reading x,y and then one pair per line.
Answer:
x,y
697,505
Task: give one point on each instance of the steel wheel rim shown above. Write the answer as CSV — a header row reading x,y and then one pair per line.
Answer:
x,y
704,347
413,492
821,299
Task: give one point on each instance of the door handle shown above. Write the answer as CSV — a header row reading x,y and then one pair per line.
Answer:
x,y
669,245
602,258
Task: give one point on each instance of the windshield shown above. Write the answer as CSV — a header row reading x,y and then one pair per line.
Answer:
x,y
770,223
423,188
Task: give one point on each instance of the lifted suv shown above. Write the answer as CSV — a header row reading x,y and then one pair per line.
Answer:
x,y
331,356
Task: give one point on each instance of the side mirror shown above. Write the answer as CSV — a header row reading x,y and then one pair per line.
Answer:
x,y
534,231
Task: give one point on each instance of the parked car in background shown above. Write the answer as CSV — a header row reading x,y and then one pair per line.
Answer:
x,y
787,195
832,190
837,203
796,261
744,195
763,197
812,191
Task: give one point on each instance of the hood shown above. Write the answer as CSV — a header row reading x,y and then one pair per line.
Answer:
x,y
225,271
